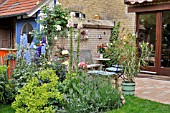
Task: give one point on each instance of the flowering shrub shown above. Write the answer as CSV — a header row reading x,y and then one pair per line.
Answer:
x,y
53,23
101,48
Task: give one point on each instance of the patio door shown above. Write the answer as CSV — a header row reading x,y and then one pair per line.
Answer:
x,y
165,44
147,32
154,28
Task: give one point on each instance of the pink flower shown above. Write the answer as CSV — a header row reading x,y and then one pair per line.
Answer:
x,y
82,65
70,24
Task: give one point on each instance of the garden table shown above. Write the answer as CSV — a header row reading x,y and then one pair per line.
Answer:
x,y
117,70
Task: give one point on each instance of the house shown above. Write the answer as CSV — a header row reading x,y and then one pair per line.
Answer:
x,y
18,17
153,27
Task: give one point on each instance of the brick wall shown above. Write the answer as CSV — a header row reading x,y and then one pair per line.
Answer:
x,y
87,44
114,10
106,9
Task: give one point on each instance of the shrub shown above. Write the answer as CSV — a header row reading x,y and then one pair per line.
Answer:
x,y
6,88
39,95
85,95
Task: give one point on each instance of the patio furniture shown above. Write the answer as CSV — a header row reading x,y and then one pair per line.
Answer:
x,y
86,56
118,69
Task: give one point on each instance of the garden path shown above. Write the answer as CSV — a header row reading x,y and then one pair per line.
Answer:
x,y
153,87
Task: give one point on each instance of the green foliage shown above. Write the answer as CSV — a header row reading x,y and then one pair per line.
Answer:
x,y
85,94
54,23
23,73
78,49
6,88
115,32
39,95
3,68
114,52
10,56
71,49
6,108
131,61
59,69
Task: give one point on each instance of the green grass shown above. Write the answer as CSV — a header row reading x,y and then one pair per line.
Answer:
x,y
6,109
138,105
133,105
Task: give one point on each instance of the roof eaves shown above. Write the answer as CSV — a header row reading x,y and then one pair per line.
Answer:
x,y
36,8
13,15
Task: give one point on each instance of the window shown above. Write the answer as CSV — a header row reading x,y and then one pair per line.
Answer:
x,y
26,29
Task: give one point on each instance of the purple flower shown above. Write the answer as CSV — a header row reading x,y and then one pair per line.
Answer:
x,y
43,40
39,50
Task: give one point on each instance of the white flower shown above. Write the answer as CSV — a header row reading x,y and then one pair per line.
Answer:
x,y
72,14
80,25
58,3
56,38
65,63
70,24
49,62
34,46
65,52
58,27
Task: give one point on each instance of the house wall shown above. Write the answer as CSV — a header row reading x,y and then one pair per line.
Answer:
x,y
106,9
19,26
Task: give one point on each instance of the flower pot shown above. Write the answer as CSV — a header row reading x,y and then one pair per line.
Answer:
x,y
101,55
128,88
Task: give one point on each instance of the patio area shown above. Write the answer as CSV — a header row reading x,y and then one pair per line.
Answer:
x,y
153,87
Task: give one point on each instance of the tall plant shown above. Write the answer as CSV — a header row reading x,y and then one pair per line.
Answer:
x,y
53,21
79,26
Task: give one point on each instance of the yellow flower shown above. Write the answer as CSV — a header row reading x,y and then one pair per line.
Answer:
x,y
65,63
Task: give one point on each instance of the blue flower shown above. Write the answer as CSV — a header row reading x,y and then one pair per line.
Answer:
x,y
27,57
43,47
9,56
19,53
24,40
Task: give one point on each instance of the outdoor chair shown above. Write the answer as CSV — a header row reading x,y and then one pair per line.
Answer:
x,y
86,56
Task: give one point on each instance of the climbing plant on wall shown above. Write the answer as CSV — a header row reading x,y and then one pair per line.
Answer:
x,y
53,21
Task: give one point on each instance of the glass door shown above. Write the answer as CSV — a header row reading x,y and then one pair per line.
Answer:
x,y
165,44
147,33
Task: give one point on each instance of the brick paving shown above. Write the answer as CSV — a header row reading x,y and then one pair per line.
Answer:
x,y
153,87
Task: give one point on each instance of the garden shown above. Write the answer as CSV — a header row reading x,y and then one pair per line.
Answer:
x,y
38,82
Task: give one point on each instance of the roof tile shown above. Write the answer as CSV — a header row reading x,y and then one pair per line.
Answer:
x,y
16,7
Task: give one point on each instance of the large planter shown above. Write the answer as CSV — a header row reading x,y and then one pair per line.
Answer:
x,y
128,88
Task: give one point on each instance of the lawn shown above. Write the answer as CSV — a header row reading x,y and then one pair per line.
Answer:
x,y
6,109
133,105
138,105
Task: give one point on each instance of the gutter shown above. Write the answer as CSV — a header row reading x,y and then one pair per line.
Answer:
x,y
38,7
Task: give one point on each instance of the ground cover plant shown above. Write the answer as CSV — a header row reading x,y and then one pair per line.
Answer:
x,y
133,105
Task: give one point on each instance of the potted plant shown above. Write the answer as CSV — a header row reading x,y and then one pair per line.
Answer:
x,y
132,61
101,50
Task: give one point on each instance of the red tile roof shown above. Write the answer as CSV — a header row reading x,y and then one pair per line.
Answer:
x,y
137,1
16,7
